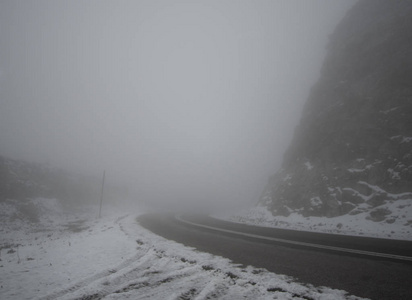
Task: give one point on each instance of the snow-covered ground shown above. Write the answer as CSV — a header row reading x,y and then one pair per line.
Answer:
x,y
78,256
396,225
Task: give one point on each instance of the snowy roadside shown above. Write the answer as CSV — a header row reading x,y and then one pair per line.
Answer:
x,y
55,250
399,225
66,256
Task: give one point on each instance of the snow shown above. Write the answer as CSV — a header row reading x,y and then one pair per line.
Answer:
x,y
308,165
379,190
389,110
357,193
397,224
78,256
353,170
403,139
394,174
374,188
288,177
315,201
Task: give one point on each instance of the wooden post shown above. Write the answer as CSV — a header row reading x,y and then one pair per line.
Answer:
x,y
101,195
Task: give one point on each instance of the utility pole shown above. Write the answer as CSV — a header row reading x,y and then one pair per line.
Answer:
x,y
101,195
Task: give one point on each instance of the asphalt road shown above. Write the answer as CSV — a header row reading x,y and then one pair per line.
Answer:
x,y
309,257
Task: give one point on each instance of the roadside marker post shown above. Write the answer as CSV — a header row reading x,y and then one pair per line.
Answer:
x,y
101,194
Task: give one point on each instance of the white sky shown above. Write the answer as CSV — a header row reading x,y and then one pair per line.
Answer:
x,y
191,100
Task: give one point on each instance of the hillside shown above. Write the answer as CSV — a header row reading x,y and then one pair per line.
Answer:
x,y
25,187
20,180
352,151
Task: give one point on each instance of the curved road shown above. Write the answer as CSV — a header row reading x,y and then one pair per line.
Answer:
x,y
373,268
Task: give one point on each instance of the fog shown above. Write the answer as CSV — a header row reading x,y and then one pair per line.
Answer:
x,y
185,102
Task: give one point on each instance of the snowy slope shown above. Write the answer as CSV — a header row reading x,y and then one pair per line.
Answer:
x,y
77,256
399,226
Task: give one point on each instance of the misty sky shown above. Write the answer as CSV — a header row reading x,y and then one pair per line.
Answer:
x,y
191,100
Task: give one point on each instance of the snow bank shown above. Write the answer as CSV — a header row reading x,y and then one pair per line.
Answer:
x,y
397,223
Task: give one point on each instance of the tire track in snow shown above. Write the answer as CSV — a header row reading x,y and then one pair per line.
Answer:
x,y
136,273
85,282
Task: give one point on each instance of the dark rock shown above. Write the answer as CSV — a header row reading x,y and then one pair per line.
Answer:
x,y
379,214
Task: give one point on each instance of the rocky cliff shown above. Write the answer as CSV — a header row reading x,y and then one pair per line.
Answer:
x,y
352,151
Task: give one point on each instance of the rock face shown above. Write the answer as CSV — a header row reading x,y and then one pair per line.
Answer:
x,y
352,150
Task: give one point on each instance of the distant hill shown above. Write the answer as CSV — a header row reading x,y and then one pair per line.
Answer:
x,y
352,151
21,180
